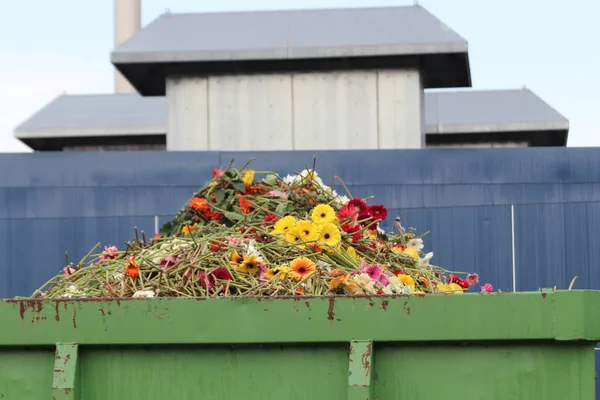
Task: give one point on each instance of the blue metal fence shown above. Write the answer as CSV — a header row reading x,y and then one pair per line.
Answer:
x,y
56,202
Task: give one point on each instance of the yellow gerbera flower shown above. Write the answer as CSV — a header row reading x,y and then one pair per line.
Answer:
x,y
412,252
250,265
449,288
352,252
284,225
280,272
248,177
329,234
187,229
455,287
293,236
407,280
307,230
323,213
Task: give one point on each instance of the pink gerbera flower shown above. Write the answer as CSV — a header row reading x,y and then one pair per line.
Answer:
x,y
374,271
473,279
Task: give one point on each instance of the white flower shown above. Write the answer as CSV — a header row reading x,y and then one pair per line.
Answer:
x,y
117,276
365,281
397,286
380,231
291,180
73,291
323,264
416,243
341,199
143,294
423,262
250,250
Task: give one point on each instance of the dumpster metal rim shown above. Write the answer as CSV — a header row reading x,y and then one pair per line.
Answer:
x,y
560,315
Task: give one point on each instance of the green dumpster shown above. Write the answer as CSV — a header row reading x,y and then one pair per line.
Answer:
x,y
471,346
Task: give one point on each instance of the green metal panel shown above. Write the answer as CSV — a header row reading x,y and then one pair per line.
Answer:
x,y
491,372
556,315
25,374
66,372
223,373
473,346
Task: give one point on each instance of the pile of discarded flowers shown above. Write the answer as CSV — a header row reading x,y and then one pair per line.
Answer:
x,y
240,236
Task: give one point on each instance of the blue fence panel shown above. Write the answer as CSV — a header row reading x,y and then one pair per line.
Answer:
x,y
463,196
35,248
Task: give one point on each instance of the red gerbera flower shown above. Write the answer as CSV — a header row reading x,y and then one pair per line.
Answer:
x,y
214,216
378,212
352,229
245,205
206,281
358,204
222,274
270,218
347,212
460,282
218,173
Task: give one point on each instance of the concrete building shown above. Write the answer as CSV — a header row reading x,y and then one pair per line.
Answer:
x,y
292,80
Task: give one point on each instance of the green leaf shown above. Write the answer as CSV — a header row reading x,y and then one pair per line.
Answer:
x,y
219,196
232,216
281,208
239,186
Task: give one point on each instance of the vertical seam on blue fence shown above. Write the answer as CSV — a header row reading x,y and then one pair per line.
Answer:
x,y
512,240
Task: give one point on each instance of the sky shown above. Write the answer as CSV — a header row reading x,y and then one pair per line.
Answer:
x,y
48,48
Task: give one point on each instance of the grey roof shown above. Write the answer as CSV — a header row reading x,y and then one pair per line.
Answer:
x,y
445,112
227,37
96,115
482,111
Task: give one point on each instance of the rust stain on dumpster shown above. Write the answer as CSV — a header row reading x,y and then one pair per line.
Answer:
x,y
365,359
330,313
406,308
74,318
384,305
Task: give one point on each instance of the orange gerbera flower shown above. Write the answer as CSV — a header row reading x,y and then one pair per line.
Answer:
x,y
245,205
199,204
132,268
301,268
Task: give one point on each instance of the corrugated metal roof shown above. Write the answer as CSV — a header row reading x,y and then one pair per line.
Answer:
x,y
294,40
445,112
290,34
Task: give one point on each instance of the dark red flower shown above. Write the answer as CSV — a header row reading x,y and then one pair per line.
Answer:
x,y
460,282
365,216
352,229
270,218
222,274
358,204
216,246
378,212
206,281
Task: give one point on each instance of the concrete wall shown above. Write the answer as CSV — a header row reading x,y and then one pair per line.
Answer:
x,y
305,111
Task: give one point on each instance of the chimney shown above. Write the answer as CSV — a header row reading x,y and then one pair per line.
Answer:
x,y
128,15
